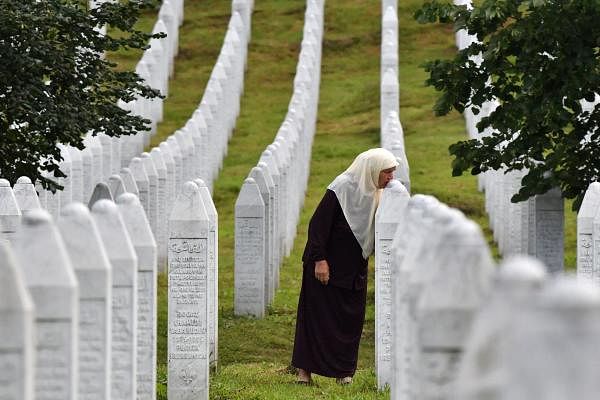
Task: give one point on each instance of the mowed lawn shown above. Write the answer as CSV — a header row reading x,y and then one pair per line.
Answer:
x,y
255,354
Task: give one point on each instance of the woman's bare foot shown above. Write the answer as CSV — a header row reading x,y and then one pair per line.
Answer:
x,y
303,377
344,381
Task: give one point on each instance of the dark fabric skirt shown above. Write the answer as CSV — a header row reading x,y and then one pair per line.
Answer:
x,y
328,327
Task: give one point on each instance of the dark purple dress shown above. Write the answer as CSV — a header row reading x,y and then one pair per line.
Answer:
x,y
331,317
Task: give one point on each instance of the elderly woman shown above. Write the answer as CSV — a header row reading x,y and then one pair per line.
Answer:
x,y
341,236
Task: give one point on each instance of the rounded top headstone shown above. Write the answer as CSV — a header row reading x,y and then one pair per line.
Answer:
x,y
104,206
24,180
4,183
567,292
522,268
37,217
128,199
74,210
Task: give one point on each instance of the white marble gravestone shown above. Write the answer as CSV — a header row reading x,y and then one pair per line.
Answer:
x,y
101,191
516,282
178,158
17,334
107,154
116,185
171,166
123,260
129,181
10,215
162,214
51,281
458,284
76,174
95,147
271,218
213,271
48,200
144,244
66,194
250,264
389,216
188,338
141,180
152,173
585,240
547,229
259,177
407,247
27,198
551,349
93,271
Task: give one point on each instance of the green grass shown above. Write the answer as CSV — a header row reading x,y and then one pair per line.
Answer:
x,y
255,354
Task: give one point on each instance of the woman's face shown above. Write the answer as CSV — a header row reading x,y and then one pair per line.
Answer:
x,y
385,176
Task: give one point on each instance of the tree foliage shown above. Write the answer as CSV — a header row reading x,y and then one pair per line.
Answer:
x,y
540,59
55,84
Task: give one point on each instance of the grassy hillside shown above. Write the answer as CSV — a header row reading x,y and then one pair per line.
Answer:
x,y
255,354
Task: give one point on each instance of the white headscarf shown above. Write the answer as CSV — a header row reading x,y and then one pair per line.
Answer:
x,y
358,194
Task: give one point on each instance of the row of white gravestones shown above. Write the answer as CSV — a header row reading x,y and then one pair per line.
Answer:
x,y
522,340
534,227
588,235
392,134
104,155
104,191
189,153
432,270
269,202
450,327
92,279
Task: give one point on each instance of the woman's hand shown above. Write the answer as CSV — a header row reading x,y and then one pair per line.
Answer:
x,y
322,271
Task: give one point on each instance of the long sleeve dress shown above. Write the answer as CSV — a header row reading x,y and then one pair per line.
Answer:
x,y
330,317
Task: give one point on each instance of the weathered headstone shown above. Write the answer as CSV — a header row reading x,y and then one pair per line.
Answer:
x,y
144,244
188,338
10,215
17,334
93,270
213,271
123,260
250,263
25,194
389,216
101,191
585,240
51,281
